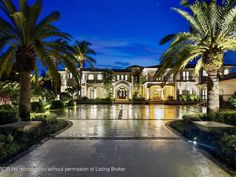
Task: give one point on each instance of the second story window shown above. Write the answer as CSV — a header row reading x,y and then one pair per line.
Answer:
x,y
63,76
90,77
126,77
99,77
122,77
70,75
118,77
185,76
83,76
226,71
204,73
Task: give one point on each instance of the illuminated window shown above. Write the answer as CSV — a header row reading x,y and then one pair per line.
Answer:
x,y
99,77
185,75
126,77
226,71
90,77
122,77
70,75
83,76
204,94
63,76
204,73
118,77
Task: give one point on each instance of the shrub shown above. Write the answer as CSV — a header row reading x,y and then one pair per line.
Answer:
x,y
190,118
223,117
70,103
85,100
57,104
232,101
228,148
170,98
138,99
65,96
37,106
2,138
183,97
45,117
6,107
8,116
9,139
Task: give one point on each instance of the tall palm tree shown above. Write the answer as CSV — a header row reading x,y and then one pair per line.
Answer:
x,y
212,33
26,38
82,53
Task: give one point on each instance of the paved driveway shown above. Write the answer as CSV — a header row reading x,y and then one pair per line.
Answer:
x,y
128,141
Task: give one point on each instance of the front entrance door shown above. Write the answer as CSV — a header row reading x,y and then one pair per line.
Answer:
x,y
122,93
157,94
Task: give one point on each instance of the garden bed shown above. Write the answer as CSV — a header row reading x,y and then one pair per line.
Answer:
x,y
177,102
221,145
14,141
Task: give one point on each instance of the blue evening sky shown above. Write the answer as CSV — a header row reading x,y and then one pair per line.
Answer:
x,y
123,32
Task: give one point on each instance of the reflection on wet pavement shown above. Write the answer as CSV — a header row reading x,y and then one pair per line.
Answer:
x,y
162,112
123,121
118,129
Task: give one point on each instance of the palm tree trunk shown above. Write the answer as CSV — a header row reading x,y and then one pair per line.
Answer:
x,y
213,101
25,95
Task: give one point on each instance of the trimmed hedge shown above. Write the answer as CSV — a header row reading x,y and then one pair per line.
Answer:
x,y
16,141
57,104
94,101
178,102
228,148
8,116
191,117
222,117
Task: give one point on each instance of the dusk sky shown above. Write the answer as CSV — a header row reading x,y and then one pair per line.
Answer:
x,y
123,32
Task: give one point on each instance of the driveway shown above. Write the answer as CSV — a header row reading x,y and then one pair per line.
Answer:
x,y
118,141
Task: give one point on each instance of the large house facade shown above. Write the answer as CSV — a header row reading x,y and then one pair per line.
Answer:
x,y
125,86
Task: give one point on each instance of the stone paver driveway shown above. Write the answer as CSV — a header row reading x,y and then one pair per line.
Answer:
x,y
115,141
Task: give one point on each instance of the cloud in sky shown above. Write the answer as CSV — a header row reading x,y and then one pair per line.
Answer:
x,y
121,53
122,63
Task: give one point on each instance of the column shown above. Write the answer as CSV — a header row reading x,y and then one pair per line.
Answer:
x,y
162,93
147,93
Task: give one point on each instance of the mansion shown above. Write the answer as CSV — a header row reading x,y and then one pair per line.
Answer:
x,y
124,87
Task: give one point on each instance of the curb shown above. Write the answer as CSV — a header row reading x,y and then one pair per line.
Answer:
x,y
202,151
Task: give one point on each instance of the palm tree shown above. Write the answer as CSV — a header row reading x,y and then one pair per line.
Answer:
x,y
212,33
26,38
82,52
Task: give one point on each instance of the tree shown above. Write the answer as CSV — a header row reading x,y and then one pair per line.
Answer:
x,y
82,52
26,37
108,77
212,33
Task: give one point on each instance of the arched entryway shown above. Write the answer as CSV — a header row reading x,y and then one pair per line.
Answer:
x,y
122,93
122,90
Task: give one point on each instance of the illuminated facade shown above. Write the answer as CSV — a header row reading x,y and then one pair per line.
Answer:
x,y
125,84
